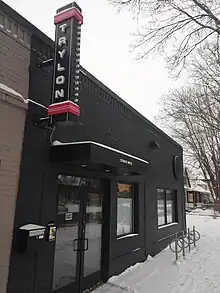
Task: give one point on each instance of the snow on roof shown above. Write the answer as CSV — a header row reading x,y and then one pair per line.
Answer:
x,y
198,189
11,91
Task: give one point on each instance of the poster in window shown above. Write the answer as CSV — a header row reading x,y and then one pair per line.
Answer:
x,y
124,209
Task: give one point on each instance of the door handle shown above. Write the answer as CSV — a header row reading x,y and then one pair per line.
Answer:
x,y
86,240
75,245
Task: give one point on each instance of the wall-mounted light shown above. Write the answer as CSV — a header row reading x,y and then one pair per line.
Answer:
x,y
176,167
154,144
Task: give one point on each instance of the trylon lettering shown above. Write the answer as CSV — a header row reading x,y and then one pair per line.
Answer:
x,y
60,80
59,94
62,41
60,68
63,27
62,53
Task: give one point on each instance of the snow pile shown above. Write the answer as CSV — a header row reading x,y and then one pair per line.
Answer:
x,y
199,272
205,212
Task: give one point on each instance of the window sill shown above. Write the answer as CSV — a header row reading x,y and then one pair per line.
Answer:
x,y
127,236
168,225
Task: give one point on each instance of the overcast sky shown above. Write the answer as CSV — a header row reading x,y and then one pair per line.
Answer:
x,y
106,36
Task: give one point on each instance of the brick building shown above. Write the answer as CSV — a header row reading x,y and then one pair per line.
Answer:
x,y
14,83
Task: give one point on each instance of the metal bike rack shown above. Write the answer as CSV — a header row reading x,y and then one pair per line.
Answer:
x,y
183,241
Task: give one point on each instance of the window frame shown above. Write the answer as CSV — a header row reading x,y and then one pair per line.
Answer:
x,y
164,206
9,24
15,29
134,197
2,20
174,207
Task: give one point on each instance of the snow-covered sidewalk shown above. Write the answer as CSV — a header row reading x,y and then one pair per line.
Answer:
x,y
202,212
199,272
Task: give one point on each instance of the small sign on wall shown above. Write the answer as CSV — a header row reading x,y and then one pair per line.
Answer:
x,y
52,233
68,216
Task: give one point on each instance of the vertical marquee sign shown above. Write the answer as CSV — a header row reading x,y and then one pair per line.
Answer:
x,y
66,84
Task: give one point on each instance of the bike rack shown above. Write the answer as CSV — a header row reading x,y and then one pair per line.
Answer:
x,y
183,241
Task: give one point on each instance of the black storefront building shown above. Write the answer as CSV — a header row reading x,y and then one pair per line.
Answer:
x,y
100,186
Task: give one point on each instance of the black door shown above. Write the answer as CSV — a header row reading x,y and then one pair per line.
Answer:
x,y
77,259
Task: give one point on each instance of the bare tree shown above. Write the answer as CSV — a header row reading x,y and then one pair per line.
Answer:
x,y
205,77
201,141
185,24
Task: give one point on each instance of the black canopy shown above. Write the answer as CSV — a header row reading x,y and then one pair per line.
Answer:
x,y
86,152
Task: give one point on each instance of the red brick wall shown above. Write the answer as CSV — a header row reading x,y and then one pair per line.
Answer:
x,y
14,58
14,73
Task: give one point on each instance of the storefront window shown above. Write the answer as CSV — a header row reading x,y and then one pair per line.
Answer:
x,y
161,207
170,202
166,206
125,209
79,181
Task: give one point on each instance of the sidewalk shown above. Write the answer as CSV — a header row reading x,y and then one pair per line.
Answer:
x,y
198,273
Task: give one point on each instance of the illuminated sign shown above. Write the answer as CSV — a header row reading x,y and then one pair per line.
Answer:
x,y
62,64
66,84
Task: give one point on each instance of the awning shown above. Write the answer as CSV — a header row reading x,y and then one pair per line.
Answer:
x,y
86,152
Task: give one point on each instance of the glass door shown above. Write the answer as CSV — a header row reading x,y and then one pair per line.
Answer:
x,y
66,259
93,235
77,259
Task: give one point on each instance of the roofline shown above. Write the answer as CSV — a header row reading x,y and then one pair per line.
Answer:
x,y
6,9
128,106
35,31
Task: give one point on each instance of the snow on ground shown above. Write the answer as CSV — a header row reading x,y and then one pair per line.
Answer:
x,y
204,212
199,272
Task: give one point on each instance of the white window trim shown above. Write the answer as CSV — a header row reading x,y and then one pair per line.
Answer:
x,y
168,225
127,236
